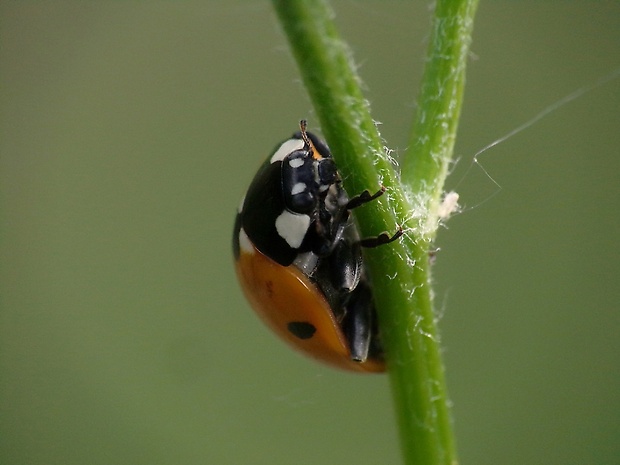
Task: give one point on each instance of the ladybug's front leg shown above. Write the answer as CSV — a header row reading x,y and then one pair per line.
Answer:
x,y
363,198
381,239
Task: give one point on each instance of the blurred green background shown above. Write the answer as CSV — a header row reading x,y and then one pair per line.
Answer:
x,y
129,131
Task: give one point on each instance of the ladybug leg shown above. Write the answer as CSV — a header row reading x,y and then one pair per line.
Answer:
x,y
339,274
346,266
359,323
328,233
354,295
363,198
381,239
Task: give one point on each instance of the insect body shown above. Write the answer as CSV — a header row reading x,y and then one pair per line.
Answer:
x,y
298,256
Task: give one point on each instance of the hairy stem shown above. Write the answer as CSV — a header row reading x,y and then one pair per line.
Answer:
x,y
400,272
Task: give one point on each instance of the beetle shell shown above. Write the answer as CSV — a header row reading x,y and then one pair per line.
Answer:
x,y
298,258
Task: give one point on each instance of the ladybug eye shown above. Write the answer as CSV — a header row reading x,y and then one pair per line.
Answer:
x,y
328,174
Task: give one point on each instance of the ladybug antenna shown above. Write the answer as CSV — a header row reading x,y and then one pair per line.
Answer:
x,y
302,127
304,136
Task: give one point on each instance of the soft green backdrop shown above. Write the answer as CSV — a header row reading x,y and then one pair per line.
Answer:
x,y
129,131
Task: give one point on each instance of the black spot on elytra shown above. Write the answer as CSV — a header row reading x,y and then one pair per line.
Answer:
x,y
301,329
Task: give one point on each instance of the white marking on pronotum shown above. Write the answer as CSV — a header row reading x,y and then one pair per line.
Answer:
x,y
287,147
296,162
292,227
298,188
245,244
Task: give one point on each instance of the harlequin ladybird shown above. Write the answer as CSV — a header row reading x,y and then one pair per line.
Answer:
x,y
298,256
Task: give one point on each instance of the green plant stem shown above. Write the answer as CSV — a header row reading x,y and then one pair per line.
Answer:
x,y
326,67
426,162
400,272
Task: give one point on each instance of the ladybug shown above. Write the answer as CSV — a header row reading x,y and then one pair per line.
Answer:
x,y
298,256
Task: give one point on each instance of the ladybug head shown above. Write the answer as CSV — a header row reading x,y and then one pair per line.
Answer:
x,y
307,174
